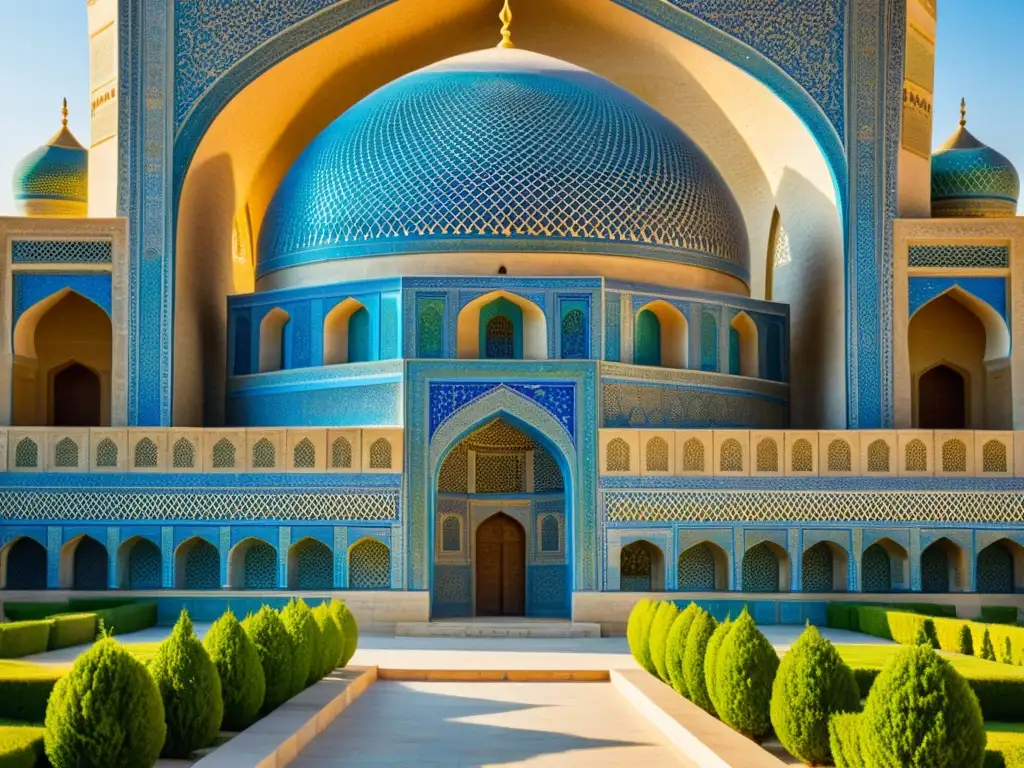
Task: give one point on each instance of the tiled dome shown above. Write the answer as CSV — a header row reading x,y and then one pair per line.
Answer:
x,y
503,150
970,179
54,179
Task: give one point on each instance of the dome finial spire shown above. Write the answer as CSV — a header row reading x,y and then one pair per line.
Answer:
x,y
963,112
506,29
64,113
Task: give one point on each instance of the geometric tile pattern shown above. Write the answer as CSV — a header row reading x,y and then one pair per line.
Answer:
x,y
369,565
767,455
761,569
144,565
260,566
202,566
106,453
993,457
66,453
61,251
145,454
959,256
994,570
876,573
315,565
816,575
696,569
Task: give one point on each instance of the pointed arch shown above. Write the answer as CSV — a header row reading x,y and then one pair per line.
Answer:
x,y
146,454
310,565
83,564
673,337
999,568
765,568
743,338
273,339
534,332
139,564
252,564
369,564
823,567
196,565
23,564
944,567
884,567
703,567
183,454
641,567
347,333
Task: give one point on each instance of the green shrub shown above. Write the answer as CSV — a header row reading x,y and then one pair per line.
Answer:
x,y
83,604
191,691
965,641
999,614
701,630
921,713
70,629
811,685
316,654
638,632
675,647
274,648
105,712
745,671
349,631
21,746
711,659
23,638
24,690
660,627
299,622
987,652
844,740
33,611
332,640
132,617
242,682
1006,657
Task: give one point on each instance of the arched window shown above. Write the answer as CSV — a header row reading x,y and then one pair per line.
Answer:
x,y
380,454
264,455
359,347
767,455
657,455
641,568
26,454
647,339
65,453
617,458
106,453
347,333
500,339
341,454
272,340
529,329
730,458
224,454
145,454
743,351
702,568
310,565
708,342
304,455
954,456
76,397
549,534
993,457
451,534
840,458
430,334
693,455
878,456
802,458
183,455
915,456
369,565
574,335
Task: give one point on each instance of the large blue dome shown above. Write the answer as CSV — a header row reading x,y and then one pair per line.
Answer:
x,y
503,150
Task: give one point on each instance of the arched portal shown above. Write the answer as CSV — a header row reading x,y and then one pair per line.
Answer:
x,y
823,568
83,564
62,363
641,567
196,565
703,567
884,567
766,568
502,325
500,567
252,564
310,565
999,568
139,564
944,567
23,564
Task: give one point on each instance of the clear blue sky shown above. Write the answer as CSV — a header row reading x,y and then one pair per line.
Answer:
x,y
44,55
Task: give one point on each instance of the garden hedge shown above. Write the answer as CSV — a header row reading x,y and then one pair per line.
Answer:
x,y
701,630
274,647
638,632
331,639
711,659
349,629
660,627
23,638
33,611
243,684
676,648
133,617
744,672
999,614
21,746
68,629
24,690
301,627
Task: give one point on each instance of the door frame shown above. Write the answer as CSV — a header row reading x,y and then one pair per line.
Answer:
x,y
480,511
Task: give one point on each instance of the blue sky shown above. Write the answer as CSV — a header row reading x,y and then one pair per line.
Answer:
x,y
44,55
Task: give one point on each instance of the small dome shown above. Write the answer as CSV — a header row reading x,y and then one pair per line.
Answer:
x,y
54,179
970,179
503,150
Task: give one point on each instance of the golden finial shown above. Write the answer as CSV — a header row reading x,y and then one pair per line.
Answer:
x,y
963,112
506,29
64,113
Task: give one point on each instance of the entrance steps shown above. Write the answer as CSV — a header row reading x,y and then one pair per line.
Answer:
x,y
538,628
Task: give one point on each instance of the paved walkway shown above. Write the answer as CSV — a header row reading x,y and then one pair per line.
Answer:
x,y
490,724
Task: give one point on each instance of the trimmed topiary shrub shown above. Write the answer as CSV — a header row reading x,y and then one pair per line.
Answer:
x,y
701,630
274,648
921,713
660,627
70,629
24,638
331,639
638,633
241,675
316,655
811,685
349,631
964,641
299,622
105,712
711,659
1007,655
190,688
675,647
844,740
744,674
987,652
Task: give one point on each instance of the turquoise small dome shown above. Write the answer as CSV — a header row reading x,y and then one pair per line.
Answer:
x,y
54,179
503,150
970,179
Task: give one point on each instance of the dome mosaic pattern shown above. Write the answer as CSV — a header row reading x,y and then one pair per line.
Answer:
x,y
970,179
53,180
503,150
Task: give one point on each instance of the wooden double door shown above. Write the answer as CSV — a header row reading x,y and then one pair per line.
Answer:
x,y
500,567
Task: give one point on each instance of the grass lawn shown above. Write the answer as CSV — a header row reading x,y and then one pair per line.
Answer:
x,y
142,651
1003,736
876,656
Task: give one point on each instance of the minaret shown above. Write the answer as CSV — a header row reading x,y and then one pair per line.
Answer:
x,y
103,98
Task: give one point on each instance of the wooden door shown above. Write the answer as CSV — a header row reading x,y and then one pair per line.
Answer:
x,y
500,567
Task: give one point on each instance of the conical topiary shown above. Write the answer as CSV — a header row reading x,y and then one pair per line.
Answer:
x,y
242,683
191,691
675,647
274,647
744,672
711,659
701,630
349,630
660,627
301,626
921,713
844,740
638,633
316,653
330,638
964,641
105,712
987,652
1007,657
811,685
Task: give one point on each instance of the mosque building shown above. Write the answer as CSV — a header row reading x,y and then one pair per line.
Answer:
x,y
667,297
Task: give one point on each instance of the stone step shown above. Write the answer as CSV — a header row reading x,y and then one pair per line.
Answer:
x,y
539,629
